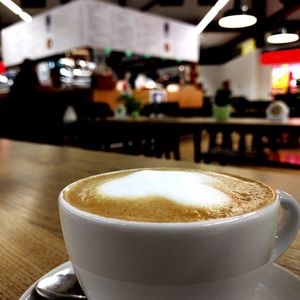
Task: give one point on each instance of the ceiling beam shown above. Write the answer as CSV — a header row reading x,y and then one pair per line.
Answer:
x,y
280,16
206,2
217,55
291,6
3,25
122,2
149,5
260,10
171,2
293,24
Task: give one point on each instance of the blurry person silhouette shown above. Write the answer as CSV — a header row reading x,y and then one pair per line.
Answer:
x,y
22,103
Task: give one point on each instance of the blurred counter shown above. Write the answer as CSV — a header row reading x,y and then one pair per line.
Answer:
x,y
187,97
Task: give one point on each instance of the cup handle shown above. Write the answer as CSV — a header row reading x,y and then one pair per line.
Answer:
x,y
288,224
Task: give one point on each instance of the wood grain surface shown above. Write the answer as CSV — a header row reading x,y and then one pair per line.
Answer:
x,y
31,177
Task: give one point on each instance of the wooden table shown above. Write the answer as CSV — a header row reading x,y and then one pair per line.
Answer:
x,y
266,136
31,177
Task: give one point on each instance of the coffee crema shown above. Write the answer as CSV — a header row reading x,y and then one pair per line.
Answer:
x,y
168,195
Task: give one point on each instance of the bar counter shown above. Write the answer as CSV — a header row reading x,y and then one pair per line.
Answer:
x,y
31,177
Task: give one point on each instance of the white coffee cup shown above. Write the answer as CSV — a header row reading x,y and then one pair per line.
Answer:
x,y
216,259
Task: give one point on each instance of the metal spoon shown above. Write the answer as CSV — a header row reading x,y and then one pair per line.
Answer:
x,y
61,285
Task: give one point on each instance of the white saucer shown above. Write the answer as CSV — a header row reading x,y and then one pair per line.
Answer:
x,y
278,284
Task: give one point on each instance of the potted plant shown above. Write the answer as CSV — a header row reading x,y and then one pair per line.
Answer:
x,y
131,104
222,103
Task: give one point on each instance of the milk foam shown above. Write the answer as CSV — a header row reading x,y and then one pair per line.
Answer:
x,y
185,188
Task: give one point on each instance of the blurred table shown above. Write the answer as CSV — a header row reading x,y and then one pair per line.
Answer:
x,y
31,177
267,137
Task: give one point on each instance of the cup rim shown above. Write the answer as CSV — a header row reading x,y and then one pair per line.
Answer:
x,y
204,223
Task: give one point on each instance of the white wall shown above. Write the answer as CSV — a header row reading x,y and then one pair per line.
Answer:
x,y
210,78
264,82
241,72
247,77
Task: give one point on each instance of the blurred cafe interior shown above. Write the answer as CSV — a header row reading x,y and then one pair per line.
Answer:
x,y
94,86
83,74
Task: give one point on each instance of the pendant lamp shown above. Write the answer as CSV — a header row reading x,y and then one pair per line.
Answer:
x,y
282,36
238,17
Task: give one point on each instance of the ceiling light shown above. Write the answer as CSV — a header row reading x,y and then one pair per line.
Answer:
x,y
282,36
17,10
12,6
25,16
238,17
211,15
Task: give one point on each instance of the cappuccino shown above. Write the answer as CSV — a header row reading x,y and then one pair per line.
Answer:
x,y
168,195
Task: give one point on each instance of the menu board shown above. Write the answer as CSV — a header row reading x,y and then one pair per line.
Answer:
x,y
124,29
98,25
48,34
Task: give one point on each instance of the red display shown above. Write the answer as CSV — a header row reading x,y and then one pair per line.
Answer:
x,y
2,67
280,57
